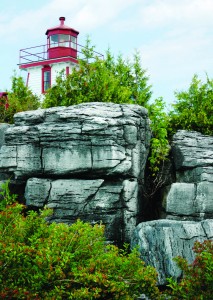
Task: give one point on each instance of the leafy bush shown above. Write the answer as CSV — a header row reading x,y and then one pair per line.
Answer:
x,y
194,108
197,281
20,99
6,198
57,261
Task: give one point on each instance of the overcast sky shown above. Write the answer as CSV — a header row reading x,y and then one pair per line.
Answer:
x,y
174,37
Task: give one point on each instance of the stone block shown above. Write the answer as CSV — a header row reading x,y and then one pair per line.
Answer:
x,y
93,139
162,240
113,203
189,200
191,149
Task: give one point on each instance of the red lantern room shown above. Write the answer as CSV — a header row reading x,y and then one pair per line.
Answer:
x,y
61,41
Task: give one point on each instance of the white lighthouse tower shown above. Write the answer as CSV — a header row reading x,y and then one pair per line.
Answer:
x,y
43,63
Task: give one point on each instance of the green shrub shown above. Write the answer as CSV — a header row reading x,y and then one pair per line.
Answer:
x,y
194,107
197,281
20,98
56,261
6,197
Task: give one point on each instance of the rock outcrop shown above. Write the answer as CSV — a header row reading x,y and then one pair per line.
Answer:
x,y
88,161
85,161
191,196
3,129
187,207
160,241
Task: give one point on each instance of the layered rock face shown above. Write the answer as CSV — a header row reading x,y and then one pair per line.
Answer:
x,y
191,197
3,129
85,161
187,207
160,241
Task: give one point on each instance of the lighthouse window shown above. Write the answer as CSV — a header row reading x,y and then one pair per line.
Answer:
x,y
46,79
54,40
73,42
64,40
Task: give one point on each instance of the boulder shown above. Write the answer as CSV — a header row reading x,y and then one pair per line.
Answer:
x,y
162,240
85,161
186,207
192,149
94,139
191,196
113,203
189,201
3,129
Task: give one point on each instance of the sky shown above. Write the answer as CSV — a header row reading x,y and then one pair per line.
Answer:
x,y
174,37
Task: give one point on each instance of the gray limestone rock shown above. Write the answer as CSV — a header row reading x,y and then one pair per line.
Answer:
x,y
191,149
88,161
195,175
161,240
114,203
93,139
191,196
85,161
3,128
189,201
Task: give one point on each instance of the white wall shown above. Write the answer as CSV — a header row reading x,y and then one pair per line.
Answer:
x,y
34,82
35,77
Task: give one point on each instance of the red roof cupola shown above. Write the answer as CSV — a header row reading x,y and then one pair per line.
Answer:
x,y
61,41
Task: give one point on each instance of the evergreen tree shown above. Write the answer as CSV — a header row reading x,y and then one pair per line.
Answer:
x,y
96,80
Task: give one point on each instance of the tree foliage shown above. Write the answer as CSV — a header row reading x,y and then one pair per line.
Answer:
x,y
20,98
97,80
194,107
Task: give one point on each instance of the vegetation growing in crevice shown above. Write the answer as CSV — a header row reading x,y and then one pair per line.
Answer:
x,y
159,147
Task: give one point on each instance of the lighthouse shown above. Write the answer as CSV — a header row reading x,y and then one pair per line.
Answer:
x,y
44,63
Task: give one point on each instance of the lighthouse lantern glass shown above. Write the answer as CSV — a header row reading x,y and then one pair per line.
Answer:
x,y
73,42
54,40
62,40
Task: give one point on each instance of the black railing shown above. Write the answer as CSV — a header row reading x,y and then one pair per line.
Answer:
x,y
40,53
